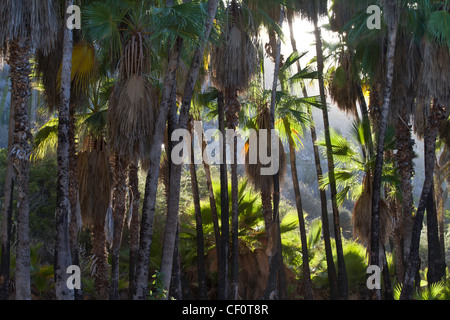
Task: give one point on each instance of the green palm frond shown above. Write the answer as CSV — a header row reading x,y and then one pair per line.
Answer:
x,y
439,27
46,138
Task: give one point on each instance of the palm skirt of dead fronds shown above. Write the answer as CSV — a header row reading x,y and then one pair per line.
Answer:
x,y
253,171
233,62
94,187
343,88
131,117
362,216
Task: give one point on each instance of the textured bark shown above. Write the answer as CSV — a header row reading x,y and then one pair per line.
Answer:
x,y
148,211
437,114
133,181
62,245
7,213
118,210
212,200
202,289
234,283
172,214
75,223
232,109
342,272
276,262
403,221
436,262
331,271
301,219
224,206
20,54
376,187
101,279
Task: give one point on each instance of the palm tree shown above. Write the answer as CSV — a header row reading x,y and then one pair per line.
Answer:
x,y
312,10
435,50
155,154
25,26
323,197
233,66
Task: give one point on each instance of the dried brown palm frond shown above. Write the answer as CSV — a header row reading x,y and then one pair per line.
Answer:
x,y
33,19
362,216
83,72
407,67
343,88
94,186
131,117
308,9
433,83
234,61
264,183
343,11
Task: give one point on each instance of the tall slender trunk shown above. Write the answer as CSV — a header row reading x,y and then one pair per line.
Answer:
x,y
118,210
75,222
301,219
172,214
148,211
133,180
63,257
20,54
212,200
403,220
234,294
342,272
202,289
101,279
7,212
375,222
437,114
276,263
224,205
436,262
331,270
232,109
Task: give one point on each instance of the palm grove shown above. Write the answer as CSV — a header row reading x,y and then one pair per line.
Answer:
x,y
142,227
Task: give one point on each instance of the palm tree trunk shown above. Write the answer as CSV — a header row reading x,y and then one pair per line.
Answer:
x,y
234,294
101,279
224,205
331,271
133,180
436,262
75,223
7,213
63,257
20,54
212,200
118,209
148,211
437,114
232,109
342,273
172,214
404,157
301,219
375,222
202,289
276,263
